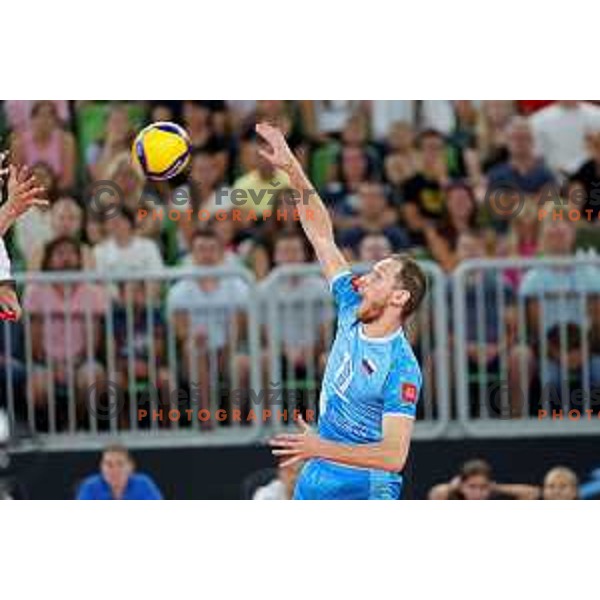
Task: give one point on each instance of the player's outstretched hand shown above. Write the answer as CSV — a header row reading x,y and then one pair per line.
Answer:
x,y
24,191
295,447
278,152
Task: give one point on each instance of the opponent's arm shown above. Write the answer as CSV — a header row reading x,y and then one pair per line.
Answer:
x,y
388,455
314,217
24,193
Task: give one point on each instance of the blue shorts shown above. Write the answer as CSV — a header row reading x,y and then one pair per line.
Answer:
x,y
324,480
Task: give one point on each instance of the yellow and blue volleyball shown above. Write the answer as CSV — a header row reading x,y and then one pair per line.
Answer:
x,y
162,150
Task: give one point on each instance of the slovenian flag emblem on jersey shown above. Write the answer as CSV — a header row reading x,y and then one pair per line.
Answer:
x,y
409,393
368,366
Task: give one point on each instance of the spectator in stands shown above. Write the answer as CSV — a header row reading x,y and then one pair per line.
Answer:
x,y
523,171
46,141
352,170
560,483
523,240
401,161
561,130
198,121
374,247
492,138
260,247
255,190
117,139
65,326
118,480
18,113
460,216
124,250
206,314
474,482
463,158
373,215
302,331
556,299
203,193
484,317
66,220
589,176
282,487
140,341
424,193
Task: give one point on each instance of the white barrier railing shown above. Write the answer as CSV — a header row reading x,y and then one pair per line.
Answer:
x,y
526,337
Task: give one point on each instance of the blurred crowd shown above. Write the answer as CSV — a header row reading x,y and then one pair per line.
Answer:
x,y
413,176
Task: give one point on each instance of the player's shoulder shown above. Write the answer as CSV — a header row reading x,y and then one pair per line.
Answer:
x,y
404,359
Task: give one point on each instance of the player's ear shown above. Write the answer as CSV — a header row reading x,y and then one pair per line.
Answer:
x,y
400,298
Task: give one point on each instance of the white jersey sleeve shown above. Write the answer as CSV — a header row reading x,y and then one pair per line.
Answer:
x,y
4,262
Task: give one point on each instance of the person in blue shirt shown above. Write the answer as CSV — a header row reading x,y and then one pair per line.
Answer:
x,y
117,479
372,379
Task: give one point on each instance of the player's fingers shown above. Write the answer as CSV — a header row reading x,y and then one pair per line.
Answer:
x,y
284,452
287,436
39,203
302,424
266,155
284,443
290,461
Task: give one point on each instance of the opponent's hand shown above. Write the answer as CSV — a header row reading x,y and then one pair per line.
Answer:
x,y
10,309
278,152
296,447
24,191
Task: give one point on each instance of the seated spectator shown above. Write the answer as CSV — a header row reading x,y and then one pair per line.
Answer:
x,y
484,319
198,119
523,239
492,138
281,488
140,341
424,193
254,191
473,482
560,483
203,193
124,250
117,139
46,141
118,480
463,158
555,307
560,131
374,247
589,176
401,161
523,170
18,113
206,314
66,220
460,216
373,215
259,248
60,312
302,330
353,168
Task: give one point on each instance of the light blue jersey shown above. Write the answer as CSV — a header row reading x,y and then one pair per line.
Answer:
x,y
365,379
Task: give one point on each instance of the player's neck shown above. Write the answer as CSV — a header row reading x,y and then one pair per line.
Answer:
x,y
383,327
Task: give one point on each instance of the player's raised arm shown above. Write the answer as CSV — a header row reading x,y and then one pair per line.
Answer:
x,y
314,217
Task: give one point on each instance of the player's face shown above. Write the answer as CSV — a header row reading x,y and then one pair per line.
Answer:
x,y
476,487
379,291
116,468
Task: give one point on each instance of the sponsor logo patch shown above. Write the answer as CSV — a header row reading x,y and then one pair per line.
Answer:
x,y
409,393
